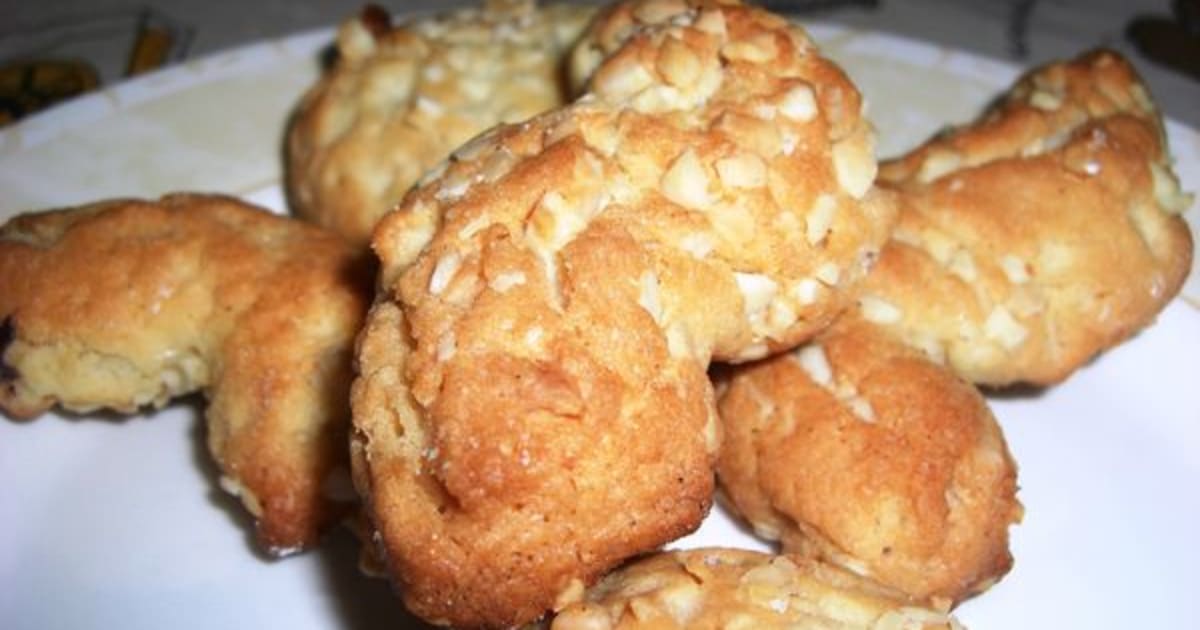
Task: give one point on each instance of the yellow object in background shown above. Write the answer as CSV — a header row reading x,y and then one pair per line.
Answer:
x,y
28,86
61,58
151,48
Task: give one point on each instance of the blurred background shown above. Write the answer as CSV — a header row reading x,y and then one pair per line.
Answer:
x,y
51,50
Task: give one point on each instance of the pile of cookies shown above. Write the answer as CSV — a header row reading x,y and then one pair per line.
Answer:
x,y
570,273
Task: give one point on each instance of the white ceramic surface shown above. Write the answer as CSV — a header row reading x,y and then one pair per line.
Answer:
x,y
117,522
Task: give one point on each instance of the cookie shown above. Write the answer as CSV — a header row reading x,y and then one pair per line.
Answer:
x,y
127,304
400,98
858,450
719,589
1042,234
532,406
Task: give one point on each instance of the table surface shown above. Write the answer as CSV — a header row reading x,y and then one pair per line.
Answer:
x,y
101,31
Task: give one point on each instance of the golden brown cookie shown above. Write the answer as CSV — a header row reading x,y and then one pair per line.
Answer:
x,y
609,29
860,451
613,25
532,406
126,304
730,589
400,98
1038,236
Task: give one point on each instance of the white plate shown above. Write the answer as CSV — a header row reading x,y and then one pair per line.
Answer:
x,y
109,522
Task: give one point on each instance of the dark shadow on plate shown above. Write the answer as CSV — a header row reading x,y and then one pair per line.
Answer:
x,y
1018,391
217,497
362,602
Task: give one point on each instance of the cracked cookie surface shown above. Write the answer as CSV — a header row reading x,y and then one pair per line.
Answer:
x,y
126,304
401,97
858,450
1038,236
551,296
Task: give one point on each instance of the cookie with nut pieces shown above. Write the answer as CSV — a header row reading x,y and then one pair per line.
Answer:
x,y
399,98
127,304
532,406
1040,235
857,450
733,588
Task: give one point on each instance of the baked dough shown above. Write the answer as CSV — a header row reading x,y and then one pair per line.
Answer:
x,y
400,98
730,589
858,450
1028,242
126,304
532,406
1042,234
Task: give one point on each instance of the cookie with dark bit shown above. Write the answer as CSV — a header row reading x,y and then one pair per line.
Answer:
x,y
127,304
